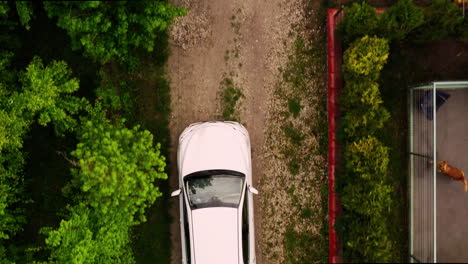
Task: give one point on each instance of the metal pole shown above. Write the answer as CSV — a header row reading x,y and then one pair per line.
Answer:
x,y
421,155
411,176
434,107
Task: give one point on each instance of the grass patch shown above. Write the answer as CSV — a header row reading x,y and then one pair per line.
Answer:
x,y
305,121
300,247
230,97
294,167
294,106
295,135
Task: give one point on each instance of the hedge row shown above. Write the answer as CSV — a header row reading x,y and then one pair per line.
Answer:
x,y
442,19
365,196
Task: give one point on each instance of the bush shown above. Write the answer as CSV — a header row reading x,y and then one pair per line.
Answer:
x,y
400,19
367,199
362,121
368,241
368,158
360,93
365,58
442,19
359,20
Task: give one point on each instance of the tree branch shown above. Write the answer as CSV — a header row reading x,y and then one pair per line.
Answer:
x,y
64,155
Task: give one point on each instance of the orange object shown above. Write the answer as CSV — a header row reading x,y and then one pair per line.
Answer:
x,y
454,173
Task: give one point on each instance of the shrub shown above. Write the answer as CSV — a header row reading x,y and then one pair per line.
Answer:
x,y
363,107
360,121
368,241
363,92
367,157
359,20
442,19
365,58
366,199
400,19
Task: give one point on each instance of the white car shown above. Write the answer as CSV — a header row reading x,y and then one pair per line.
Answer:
x,y
216,203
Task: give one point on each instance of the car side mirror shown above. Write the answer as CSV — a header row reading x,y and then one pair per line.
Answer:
x,y
176,192
253,190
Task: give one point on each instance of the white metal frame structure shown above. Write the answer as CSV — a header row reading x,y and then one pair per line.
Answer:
x,y
423,171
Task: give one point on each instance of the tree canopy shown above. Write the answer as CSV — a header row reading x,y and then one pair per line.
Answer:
x,y
113,29
118,167
115,167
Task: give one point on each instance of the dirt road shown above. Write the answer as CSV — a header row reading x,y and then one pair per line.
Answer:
x,y
244,40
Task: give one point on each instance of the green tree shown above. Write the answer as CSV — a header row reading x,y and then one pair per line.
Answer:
x,y
113,29
43,93
48,93
118,167
400,19
90,236
359,20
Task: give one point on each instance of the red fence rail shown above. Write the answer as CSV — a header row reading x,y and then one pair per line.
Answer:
x,y
335,82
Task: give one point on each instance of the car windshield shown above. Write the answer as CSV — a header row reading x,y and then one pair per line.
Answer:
x,y
214,191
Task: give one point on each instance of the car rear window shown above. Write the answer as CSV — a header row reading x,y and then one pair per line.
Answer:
x,y
214,191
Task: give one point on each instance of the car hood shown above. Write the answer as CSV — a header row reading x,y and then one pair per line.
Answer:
x,y
215,235
213,146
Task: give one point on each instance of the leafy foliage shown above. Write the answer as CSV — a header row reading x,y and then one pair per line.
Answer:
x,y
116,174
4,8
359,20
368,241
43,93
365,196
113,29
25,12
367,159
47,91
117,99
400,19
365,58
117,168
359,122
90,236
363,92
367,200
362,103
442,19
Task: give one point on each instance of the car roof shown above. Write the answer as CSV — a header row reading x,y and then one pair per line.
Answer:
x,y
216,236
